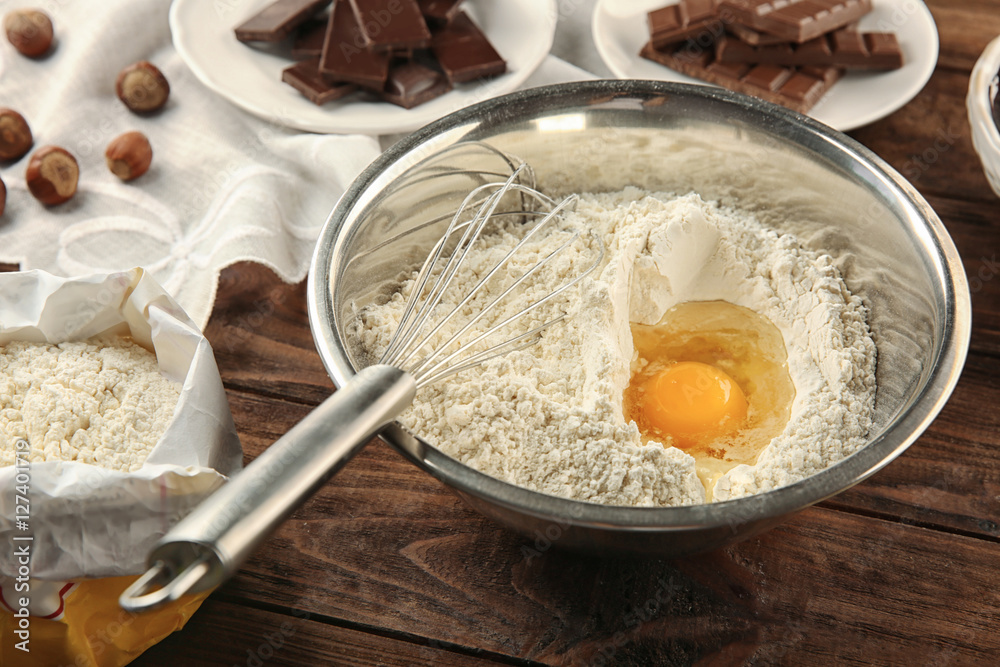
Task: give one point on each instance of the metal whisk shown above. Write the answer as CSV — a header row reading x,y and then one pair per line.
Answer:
x,y
210,544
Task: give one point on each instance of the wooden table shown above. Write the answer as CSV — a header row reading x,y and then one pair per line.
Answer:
x,y
385,566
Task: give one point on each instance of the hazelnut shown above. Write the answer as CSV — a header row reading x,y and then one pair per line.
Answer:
x,y
129,155
142,87
15,135
29,30
3,196
52,175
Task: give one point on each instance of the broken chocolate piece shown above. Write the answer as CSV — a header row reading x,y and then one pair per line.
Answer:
x,y
278,20
464,52
308,42
390,24
841,48
686,19
306,78
440,11
796,20
411,84
797,88
344,59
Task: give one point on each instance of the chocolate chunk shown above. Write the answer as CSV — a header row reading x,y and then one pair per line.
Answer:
x,y
278,20
797,88
345,58
308,42
306,78
796,20
440,11
686,19
390,24
464,52
411,83
841,48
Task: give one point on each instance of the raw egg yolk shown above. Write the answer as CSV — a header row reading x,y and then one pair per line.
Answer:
x,y
692,401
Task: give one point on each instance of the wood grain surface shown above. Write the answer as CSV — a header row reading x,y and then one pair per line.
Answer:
x,y
386,566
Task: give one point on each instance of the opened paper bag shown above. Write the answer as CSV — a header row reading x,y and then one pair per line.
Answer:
x,y
74,535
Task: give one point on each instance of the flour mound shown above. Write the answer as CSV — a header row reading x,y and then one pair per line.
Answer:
x,y
104,403
549,418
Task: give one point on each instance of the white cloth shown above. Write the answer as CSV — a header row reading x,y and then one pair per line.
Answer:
x,y
225,186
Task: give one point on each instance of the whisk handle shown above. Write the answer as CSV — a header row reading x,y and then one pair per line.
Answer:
x,y
211,543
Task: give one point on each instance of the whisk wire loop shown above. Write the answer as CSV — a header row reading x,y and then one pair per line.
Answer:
x,y
520,342
437,372
439,350
479,286
412,319
415,333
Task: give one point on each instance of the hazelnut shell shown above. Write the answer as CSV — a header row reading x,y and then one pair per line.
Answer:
x,y
29,30
129,155
52,175
15,135
3,196
142,87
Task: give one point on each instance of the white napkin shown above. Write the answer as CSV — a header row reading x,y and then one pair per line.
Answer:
x,y
225,186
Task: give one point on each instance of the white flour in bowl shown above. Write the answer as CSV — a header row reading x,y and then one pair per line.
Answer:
x,y
105,403
550,417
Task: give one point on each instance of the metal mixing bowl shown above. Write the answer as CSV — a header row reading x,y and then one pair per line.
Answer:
x,y
793,173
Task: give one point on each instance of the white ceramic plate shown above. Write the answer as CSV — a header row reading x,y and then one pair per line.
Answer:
x,y
249,77
859,98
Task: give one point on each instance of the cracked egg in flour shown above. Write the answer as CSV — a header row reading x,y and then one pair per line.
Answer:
x,y
712,379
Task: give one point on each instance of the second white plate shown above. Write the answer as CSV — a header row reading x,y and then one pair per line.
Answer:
x,y
520,30
857,99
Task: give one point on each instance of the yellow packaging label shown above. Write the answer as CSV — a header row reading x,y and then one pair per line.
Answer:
x,y
82,625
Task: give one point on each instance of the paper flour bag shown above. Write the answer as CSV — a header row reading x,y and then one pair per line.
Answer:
x,y
95,464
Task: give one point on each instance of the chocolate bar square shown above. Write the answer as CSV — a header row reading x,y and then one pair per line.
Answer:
x,y
796,20
464,52
308,42
411,83
751,36
278,19
344,58
439,11
684,20
306,78
840,48
798,88
390,24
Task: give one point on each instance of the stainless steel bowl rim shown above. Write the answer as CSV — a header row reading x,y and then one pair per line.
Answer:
x,y
908,426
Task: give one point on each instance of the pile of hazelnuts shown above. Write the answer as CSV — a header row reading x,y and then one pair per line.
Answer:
x,y
53,172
